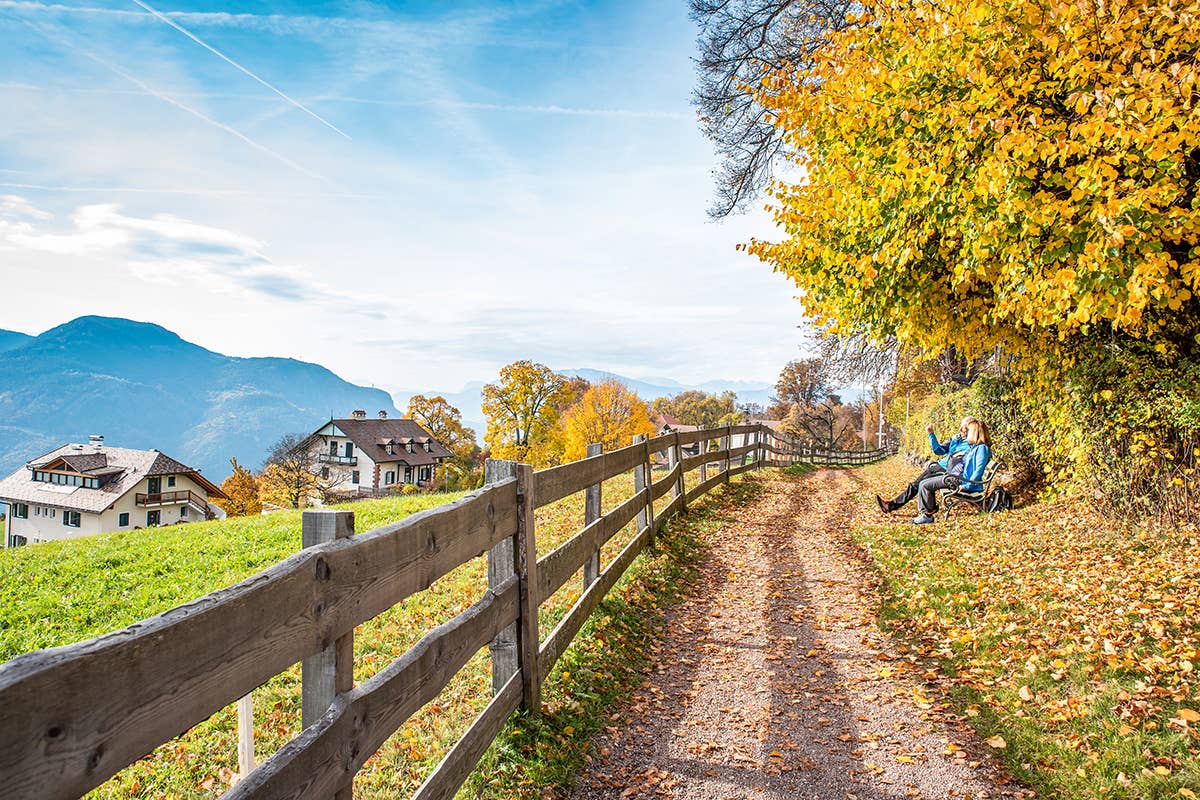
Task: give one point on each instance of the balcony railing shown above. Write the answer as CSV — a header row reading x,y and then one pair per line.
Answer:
x,y
169,498
329,458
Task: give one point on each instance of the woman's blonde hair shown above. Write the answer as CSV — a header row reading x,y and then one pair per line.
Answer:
x,y
977,433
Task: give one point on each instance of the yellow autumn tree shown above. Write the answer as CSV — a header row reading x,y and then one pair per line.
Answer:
x,y
607,414
522,410
1012,176
241,492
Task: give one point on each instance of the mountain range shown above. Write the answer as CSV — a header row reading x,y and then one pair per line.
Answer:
x,y
142,386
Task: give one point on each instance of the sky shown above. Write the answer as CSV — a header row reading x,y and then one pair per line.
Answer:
x,y
412,194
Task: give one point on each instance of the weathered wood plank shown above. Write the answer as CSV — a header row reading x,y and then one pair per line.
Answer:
x,y
527,622
702,435
558,482
741,430
738,452
664,484
556,567
660,443
672,508
691,462
592,503
562,635
705,486
738,470
444,782
73,716
502,565
324,756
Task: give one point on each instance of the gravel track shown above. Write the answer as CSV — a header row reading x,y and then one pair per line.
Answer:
x,y
775,681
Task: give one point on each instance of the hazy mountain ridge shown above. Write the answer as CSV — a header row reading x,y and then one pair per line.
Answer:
x,y
143,386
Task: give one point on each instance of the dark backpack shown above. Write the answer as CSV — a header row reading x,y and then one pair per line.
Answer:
x,y
998,500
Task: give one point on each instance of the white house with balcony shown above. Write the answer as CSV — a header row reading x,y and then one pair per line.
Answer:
x,y
81,490
374,455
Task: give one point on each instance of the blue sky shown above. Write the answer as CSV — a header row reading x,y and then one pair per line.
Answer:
x,y
412,194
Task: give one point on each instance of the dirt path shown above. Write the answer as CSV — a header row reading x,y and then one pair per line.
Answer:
x,y
775,681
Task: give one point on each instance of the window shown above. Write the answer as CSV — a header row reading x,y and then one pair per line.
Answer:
x,y
123,519
354,476
390,478
37,511
53,512
170,481
429,447
324,473
14,540
350,451
152,517
70,519
20,511
183,512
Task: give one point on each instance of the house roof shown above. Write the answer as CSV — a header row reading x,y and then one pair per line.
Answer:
x,y
371,436
128,466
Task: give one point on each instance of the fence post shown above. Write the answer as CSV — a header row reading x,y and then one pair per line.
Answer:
x,y
704,450
330,672
591,513
726,441
676,458
502,563
527,632
245,727
641,482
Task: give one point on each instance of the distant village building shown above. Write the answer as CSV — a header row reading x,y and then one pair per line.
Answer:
x,y
81,490
374,456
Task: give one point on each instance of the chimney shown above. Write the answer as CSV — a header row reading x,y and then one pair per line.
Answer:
x,y
383,414
358,414
96,441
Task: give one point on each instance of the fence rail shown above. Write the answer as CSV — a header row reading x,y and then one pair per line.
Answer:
x,y
71,717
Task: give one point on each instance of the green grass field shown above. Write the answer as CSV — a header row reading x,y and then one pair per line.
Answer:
x,y
1071,642
62,592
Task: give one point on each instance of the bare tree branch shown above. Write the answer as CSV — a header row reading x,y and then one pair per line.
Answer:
x,y
737,39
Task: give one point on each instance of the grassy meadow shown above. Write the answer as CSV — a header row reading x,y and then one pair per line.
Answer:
x,y
57,593
1071,642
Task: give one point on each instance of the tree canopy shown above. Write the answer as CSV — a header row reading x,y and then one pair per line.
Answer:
x,y
608,414
983,174
522,410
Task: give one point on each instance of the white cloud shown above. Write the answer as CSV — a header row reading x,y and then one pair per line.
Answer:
x,y
166,248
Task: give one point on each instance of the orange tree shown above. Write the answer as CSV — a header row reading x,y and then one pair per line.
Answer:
x,y
1015,174
608,414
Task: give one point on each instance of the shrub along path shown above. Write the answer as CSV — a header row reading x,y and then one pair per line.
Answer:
x,y
776,682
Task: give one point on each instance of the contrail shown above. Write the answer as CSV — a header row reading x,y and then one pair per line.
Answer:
x,y
240,68
172,101
42,187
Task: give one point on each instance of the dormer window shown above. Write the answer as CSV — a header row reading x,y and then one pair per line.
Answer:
x,y
391,448
428,447
408,447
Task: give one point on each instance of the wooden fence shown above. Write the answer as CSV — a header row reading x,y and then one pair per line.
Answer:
x,y
71,717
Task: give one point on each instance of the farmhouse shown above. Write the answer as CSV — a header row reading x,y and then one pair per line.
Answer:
x,y
373,456
80,490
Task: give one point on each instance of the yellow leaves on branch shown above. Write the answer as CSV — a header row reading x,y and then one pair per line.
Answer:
x,y
978,172
608,414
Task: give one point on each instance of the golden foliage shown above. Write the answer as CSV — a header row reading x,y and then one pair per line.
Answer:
x,y
608,414
982,173
241,490
522,410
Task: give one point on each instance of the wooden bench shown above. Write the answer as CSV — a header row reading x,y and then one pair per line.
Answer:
x,y
953,498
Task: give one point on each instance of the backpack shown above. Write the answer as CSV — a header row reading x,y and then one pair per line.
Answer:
x,y
998,500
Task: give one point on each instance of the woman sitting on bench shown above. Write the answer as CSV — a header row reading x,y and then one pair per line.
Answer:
x,y
965,476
